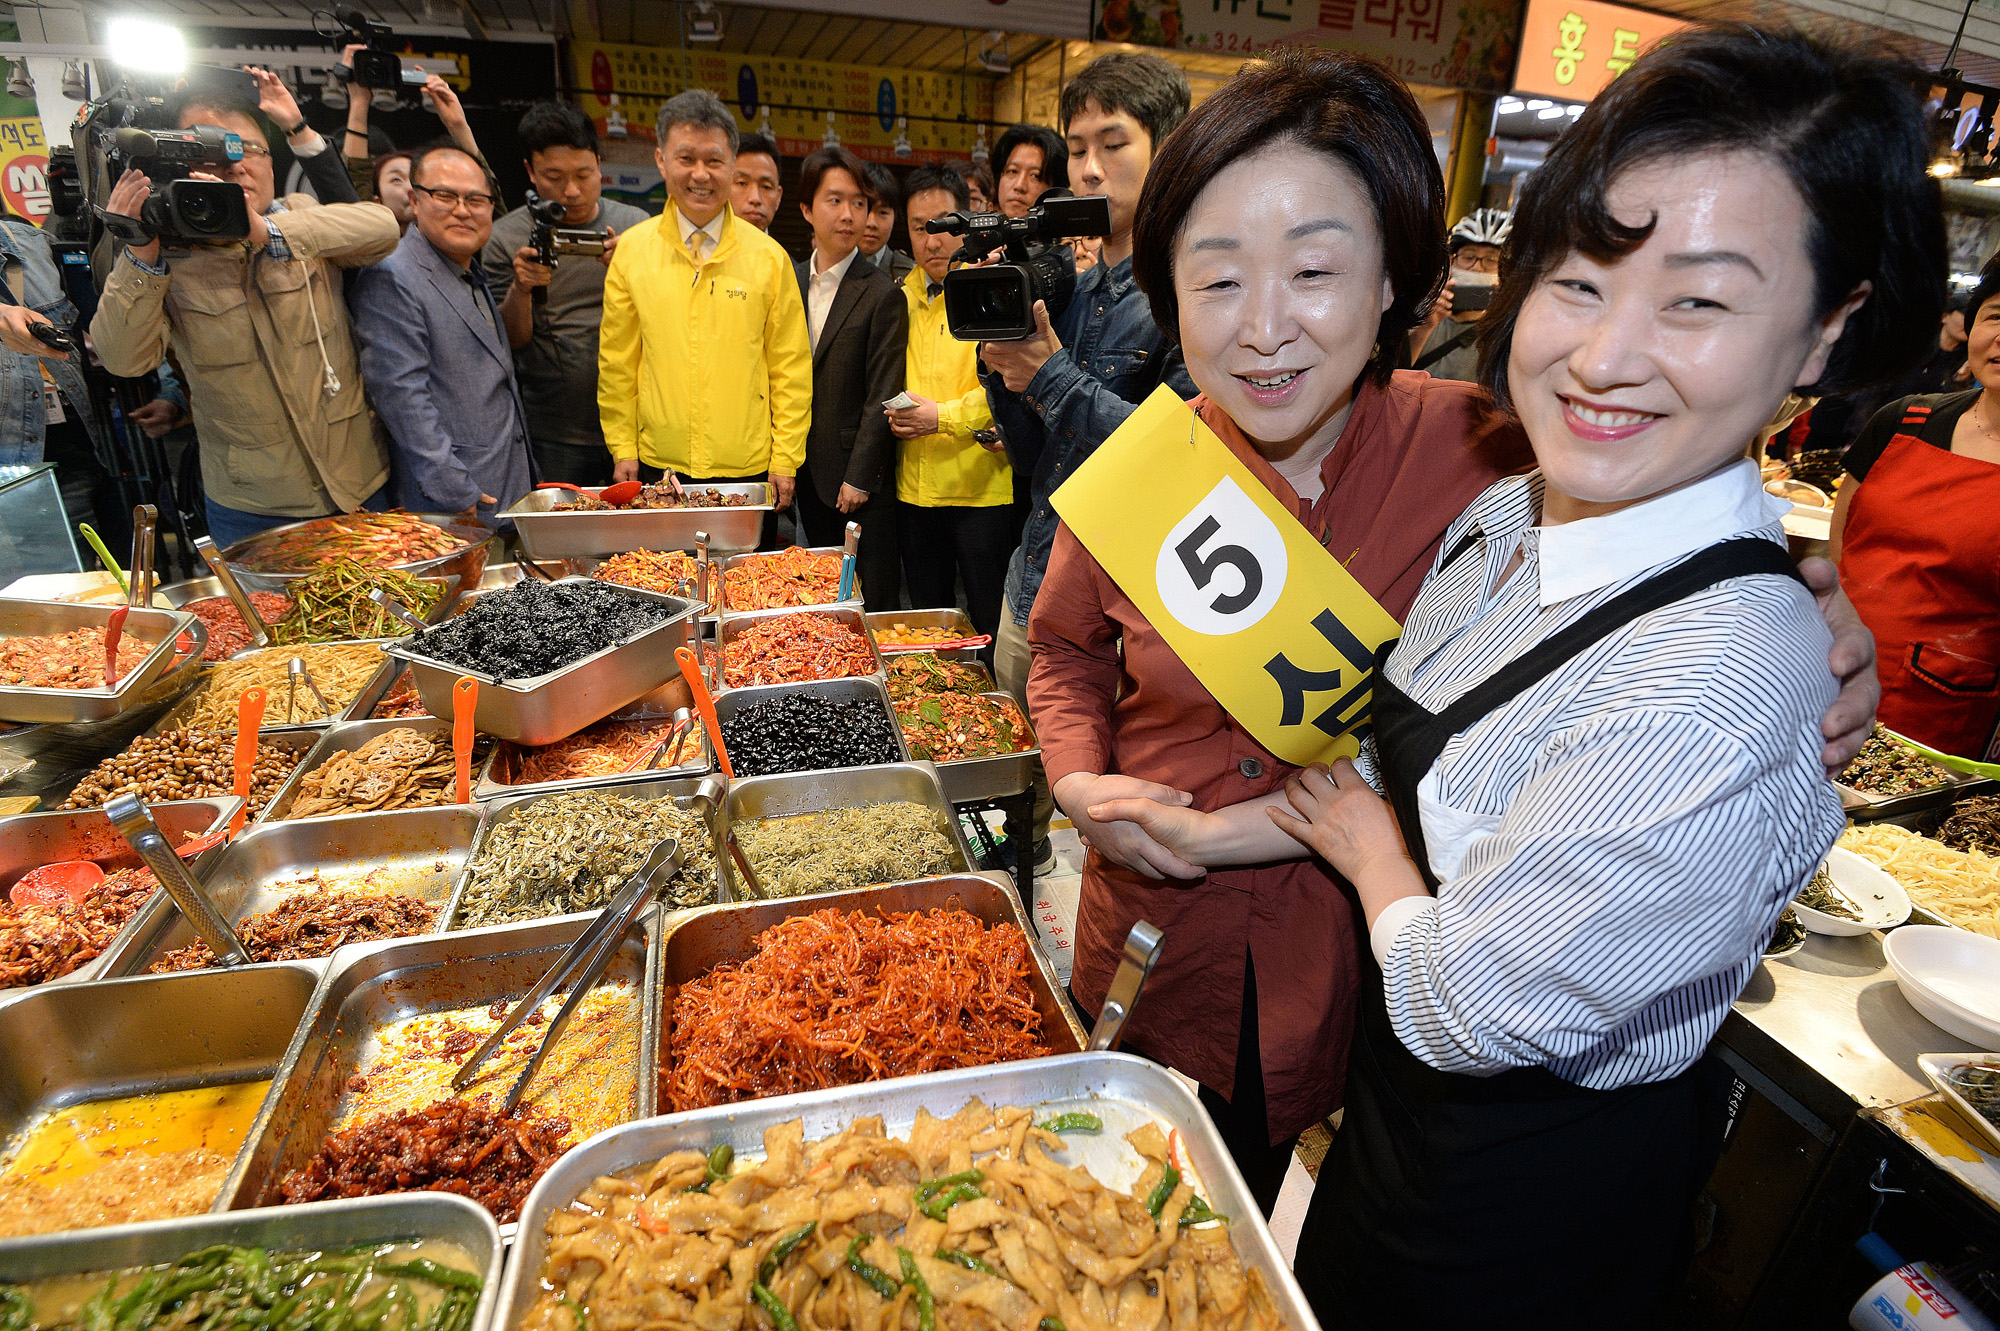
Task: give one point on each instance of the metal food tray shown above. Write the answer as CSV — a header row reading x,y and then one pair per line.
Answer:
x,y
547,534
587,566
868,687
1939,1067
371,693
185,593
837,788
344,737
35,619
489,786
61,1046
320,1227
296,742
683,791
1862,806
498,576
997,776
736,561
424,849
371,985
542,709
733,627
702,940
1123,1090
468,561
954,619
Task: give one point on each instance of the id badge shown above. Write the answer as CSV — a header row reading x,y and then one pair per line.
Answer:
x,y
51,400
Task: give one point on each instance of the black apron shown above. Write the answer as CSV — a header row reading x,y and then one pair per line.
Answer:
x,y
1518,1199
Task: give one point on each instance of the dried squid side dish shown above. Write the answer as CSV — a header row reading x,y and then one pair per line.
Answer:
x,y
970,1221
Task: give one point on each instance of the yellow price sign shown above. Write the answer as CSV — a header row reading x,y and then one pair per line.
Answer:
x,y
1267,620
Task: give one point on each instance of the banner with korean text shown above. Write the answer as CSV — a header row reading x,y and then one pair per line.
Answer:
x,y
1572,49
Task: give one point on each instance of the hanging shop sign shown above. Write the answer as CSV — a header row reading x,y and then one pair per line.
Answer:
x,y
1044,18
1572,49
885,115
1463,44
1268,621
24,167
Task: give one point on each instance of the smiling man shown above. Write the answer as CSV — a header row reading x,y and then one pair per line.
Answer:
x,y
703,367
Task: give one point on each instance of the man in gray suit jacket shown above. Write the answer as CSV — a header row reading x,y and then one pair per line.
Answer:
x,y
434,353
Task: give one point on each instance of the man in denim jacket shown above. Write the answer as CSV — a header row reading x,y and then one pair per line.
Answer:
x,y
1060,392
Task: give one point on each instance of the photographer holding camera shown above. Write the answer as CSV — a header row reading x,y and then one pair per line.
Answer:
x,y
553,313
259,327
1060,392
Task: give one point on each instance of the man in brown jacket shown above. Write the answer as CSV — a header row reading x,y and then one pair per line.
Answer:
x,y
260,329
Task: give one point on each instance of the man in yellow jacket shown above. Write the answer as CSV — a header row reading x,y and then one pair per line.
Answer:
x,y
957,515
704,368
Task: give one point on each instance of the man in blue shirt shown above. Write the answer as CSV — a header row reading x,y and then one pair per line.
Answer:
x,y
1060,392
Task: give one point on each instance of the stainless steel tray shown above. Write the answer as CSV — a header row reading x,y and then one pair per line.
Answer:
x,y
867,687
468,561
371,692
187,592
954,619
1123,1090
838,788
497,576
542,709
30,840
973,780
547,534
370,985
33,619
587,566
682,790
344,737
734,626
323,1226
736,561
505,753
61,1045
702,940
297,741
420,851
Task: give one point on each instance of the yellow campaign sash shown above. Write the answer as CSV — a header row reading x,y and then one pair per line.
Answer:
x,y
1267,620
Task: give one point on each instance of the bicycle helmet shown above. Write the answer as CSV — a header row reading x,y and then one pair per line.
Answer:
x,y
1482,226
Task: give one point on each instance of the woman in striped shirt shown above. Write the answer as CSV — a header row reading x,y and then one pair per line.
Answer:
x,y
1599,733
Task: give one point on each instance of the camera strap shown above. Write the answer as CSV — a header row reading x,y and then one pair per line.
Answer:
x,y
1438,353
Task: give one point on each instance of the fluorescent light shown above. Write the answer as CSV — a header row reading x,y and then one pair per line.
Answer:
x,y
1575,109
142,44
1509,105
1991,182
1943,168
1539,103
1550,113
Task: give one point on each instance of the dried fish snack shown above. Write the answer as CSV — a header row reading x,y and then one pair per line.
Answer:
x,y
805,853
970,1221
397,769
184,764
1886,766
1979,1083
804,732
571,851
911,673
537,628
309,925
1821,895
1974,824
1961,887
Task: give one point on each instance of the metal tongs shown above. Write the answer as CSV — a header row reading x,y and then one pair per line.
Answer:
x,y
295,671
579,967
134,821
139,591
1142,949
260,634
398,609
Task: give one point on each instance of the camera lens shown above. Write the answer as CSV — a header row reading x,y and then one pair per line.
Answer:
x,y
201,214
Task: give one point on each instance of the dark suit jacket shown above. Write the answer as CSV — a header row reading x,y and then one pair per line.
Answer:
x,y
857,366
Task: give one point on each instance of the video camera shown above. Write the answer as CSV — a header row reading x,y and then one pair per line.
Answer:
x,y
552,240
996,303
375,67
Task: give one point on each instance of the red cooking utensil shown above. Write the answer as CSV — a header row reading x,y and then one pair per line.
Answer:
x,y
113,631
705,705
561,485
249,716
464,699
620,494
65,883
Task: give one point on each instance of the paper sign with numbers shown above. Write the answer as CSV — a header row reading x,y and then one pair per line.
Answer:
x,y
1269,622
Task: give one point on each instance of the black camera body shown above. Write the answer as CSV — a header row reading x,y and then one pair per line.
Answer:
x,y
552,240
996,303
377,66
112,136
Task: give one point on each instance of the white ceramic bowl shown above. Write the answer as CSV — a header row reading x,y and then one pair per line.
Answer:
x,y
1951,977
1877,898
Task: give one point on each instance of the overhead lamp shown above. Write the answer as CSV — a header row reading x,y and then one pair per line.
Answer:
x,y
142,44
1991,182
832,137
1575,110
993,56
1943,168
1509,105
1550,113
704,24
333,95
979,149
20,83
902,145
74,85
614,119
1539,104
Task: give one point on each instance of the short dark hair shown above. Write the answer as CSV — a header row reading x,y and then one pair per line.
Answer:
x,y
1347,107
1988,288
1055,156
980,174
380,165
430,150
1149,88
881,183
1844,123
822,160
555,125
938,177
757,143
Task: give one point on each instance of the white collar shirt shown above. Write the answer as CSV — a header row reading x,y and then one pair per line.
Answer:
x,y
820,287
711,232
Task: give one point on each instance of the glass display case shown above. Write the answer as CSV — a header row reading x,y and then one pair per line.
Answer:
x,y
35,534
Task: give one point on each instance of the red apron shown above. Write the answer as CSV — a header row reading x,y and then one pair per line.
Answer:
x,y
1920,559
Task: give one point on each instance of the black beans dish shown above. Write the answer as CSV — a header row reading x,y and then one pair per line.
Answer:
x,y
533,628
803,732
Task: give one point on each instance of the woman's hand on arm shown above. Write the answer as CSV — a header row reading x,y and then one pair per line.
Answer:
x,y
1240,834
1353,829
1848,722
1122,841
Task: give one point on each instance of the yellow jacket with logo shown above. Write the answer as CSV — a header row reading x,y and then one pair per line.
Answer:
x,y
947,467
709,372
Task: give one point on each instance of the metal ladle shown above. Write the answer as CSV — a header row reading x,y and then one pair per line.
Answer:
x,y
1142,950
260,634
134,821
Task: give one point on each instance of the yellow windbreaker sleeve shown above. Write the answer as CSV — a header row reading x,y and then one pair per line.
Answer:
x,y
788,362
961,416
618,353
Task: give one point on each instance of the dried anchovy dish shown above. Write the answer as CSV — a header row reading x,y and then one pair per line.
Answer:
x,y
1974,824
806,853
1979,1083
1885,767
1821,896
804,732
572,851
536,628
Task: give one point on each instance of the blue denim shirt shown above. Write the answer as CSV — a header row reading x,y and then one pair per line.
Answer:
x,y
1113,356
23,410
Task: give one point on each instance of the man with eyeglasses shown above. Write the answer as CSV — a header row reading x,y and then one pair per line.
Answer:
x,y
1444,342
435,350
259,327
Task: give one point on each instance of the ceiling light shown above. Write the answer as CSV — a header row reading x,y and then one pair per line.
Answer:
x,y
334,95
1550,113
1509,105
74,85
1944,168
1575,110
1991,182
142,44
20,83
704,24
1539,103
